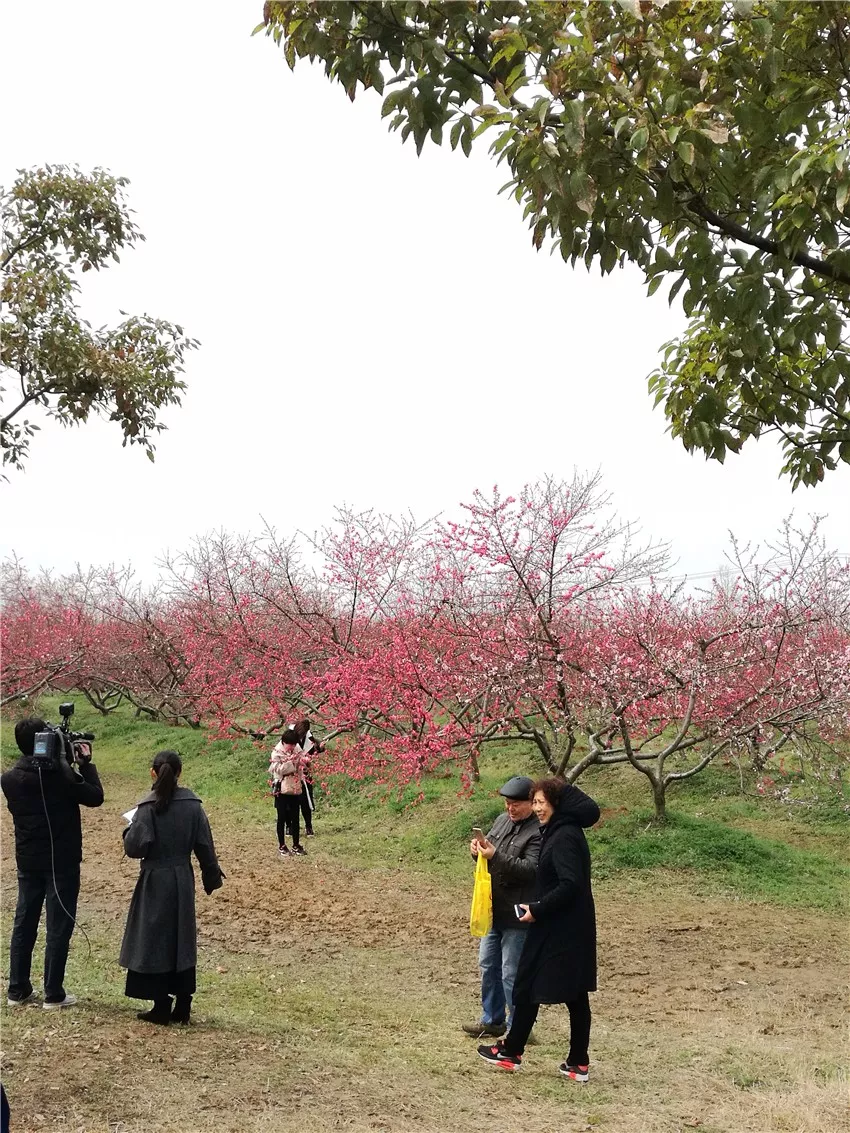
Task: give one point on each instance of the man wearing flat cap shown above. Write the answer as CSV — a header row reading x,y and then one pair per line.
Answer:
x,y
512,848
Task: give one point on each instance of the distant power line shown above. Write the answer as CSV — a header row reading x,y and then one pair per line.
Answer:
x,y
698,576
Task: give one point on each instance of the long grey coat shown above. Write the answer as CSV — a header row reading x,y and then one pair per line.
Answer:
x,y
161,933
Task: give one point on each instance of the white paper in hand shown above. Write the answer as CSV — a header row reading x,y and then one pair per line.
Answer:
x,y
130,814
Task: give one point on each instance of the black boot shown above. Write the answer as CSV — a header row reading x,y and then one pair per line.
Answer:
x,y
182,1010
159,1013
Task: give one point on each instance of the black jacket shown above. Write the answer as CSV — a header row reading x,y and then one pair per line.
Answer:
x,y
64,793
558,961
513,867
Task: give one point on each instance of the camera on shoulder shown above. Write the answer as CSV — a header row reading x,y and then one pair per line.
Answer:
x,y
58,742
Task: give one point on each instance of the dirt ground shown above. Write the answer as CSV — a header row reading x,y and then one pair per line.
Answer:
x,y
330,998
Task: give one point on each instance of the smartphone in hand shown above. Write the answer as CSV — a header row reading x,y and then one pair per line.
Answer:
x,y
478,834
520,912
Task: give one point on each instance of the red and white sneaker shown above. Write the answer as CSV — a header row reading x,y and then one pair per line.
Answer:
x,y
498,1057
575,1073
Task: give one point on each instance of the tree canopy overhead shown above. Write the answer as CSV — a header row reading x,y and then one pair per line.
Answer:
x,y
707,143
58,221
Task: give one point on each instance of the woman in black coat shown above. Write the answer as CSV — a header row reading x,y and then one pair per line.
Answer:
x,y
160,943
558,962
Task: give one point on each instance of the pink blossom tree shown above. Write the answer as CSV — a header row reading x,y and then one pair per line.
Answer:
x,y
46,635
512,572
667,681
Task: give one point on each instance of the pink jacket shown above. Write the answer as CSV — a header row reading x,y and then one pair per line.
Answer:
x,y
285,770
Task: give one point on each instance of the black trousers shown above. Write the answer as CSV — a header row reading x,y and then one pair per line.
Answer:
x,y
288,809
525,1016
307,799
35,889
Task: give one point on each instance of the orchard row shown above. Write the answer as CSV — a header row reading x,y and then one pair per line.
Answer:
x,y
413,646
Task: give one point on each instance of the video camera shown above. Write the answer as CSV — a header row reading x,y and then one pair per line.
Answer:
x,y
59,741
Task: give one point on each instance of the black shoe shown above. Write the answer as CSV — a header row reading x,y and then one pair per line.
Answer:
x,y
310,833
299,849
159,1013
579,1074
497,1056
182,1012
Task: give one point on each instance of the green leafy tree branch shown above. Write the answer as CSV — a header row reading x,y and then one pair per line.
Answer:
x,y
707,143
58,221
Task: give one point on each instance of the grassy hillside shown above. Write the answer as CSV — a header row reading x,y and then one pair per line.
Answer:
x,y
717,840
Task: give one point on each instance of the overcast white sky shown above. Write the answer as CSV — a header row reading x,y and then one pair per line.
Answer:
x,y
389,307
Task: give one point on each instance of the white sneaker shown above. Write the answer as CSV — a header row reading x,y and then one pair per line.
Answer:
x,y
68,1001
31,998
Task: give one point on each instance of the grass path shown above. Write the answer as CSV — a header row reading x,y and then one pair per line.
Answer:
x,y
331,993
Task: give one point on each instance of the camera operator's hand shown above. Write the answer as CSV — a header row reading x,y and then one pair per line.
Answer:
x,y
82,753
68,771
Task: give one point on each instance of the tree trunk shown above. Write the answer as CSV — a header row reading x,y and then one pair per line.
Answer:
x,y
565,753
659,798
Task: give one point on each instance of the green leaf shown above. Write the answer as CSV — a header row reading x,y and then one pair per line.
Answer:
x,y
685,150
466,137
518,70
608,259
393,100
639,139
832,334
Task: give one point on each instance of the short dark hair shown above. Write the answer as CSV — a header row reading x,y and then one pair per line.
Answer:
x,y
290,736
551,789
25,732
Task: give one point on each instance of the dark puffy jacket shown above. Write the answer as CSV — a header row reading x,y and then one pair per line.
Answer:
x,y
64,793
513,867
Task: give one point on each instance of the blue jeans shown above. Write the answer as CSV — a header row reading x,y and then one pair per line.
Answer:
x,y
498,958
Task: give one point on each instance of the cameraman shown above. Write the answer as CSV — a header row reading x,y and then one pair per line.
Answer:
x,y
46,803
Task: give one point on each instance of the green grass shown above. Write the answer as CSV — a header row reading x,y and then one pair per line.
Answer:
x,y
724,857
125,747
715,837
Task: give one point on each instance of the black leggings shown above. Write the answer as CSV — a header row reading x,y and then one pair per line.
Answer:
x,y
288,809
525,1016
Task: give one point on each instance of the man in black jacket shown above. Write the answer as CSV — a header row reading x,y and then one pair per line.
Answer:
x,y
45,808
512,848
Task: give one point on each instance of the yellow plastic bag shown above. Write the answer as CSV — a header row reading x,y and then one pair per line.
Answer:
x,y
481,914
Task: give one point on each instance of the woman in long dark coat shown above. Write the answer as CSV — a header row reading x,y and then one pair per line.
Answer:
x,y
160,945
558,962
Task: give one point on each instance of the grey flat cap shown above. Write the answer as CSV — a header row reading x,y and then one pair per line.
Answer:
x,y
517,788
